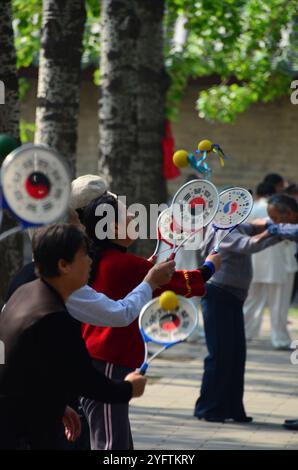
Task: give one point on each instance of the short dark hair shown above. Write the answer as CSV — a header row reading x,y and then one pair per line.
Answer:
x,y
265,189
90,220
283,202
55,242
273,178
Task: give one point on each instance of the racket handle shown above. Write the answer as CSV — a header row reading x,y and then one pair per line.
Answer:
x,y
10,232
172,256
143,368
152,258
216,248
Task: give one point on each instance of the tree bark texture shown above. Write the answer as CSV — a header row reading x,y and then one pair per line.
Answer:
x,y
11,250
132,104
59,76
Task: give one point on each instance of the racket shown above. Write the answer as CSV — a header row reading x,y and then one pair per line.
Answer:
x,y
35,186
166,327
194,195
165,233
235,205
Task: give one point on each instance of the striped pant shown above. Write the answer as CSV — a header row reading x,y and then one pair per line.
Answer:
x,y
108,423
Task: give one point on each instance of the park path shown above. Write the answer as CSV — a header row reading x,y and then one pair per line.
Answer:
x,y
163,417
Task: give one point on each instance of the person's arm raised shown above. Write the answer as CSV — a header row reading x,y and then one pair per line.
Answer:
x,y
160,274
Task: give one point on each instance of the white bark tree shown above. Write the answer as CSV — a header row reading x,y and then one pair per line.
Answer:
x,y
132,103
59,76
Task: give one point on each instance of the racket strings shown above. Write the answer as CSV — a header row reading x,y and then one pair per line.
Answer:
x,y
234,208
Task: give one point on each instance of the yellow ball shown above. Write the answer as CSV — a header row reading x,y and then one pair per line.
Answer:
x,y
180,158
168,300
205,145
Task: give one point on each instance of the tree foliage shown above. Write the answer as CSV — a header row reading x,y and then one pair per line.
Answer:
x,y
249,44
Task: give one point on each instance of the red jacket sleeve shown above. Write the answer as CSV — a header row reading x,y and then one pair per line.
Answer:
x,y
186,283
128,270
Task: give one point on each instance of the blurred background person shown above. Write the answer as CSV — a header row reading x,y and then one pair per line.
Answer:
x,y
272,285
276,180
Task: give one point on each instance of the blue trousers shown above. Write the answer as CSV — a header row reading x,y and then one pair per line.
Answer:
x,y
223,379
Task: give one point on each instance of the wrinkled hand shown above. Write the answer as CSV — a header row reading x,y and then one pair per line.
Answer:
x,y
215,258
138,382
259,223
261,236
160,274
72,424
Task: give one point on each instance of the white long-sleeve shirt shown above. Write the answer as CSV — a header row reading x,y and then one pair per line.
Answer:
x,y
269,266
88,306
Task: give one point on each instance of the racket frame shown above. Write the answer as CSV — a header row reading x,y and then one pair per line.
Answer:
x,y
166,345
154,255
231,228
24,223
205,223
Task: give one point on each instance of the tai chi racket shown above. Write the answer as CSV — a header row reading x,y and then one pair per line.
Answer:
x,y
35,186
166,327
235,205
165,233
195,194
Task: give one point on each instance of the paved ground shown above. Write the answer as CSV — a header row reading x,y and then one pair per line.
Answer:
x,y
162,419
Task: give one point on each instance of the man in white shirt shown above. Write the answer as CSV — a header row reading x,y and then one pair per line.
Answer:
x,y
86,305
273,277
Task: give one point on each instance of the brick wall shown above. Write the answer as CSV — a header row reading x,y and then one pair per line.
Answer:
x,y
264,139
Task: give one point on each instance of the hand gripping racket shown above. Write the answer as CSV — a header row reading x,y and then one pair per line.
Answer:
x,y
166,327
235,205
34,186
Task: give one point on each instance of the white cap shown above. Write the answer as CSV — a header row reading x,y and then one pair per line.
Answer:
x,y
86,188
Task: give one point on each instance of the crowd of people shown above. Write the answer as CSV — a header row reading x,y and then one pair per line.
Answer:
x,y
70,329
70,321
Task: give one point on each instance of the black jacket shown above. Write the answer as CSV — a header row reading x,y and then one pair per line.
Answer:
x,y
46,365
26,274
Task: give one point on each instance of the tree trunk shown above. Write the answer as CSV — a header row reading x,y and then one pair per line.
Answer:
x,y
153,83
118,103
11,250
132,103
59,76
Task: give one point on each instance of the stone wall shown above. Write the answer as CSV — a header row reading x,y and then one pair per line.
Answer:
x,y
263,139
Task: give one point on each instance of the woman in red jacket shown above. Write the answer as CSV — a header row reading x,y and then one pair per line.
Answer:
x,y
117,351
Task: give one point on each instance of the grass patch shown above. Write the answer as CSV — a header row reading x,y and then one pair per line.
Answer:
x,y
293,312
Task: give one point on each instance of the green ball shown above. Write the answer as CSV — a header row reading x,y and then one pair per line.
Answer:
x,y
7,145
